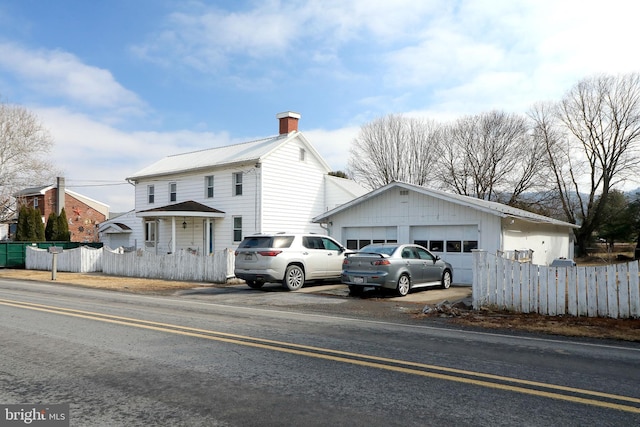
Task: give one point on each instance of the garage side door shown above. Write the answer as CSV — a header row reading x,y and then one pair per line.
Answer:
x,y
453,243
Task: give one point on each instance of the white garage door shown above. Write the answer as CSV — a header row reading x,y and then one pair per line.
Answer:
x,y
359,237
453,243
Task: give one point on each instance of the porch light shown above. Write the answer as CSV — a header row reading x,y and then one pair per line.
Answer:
x,y
184,224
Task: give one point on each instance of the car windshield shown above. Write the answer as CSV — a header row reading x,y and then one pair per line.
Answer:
x,y
377,249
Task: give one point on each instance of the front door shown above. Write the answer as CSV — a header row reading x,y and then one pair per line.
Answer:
x,y
208,240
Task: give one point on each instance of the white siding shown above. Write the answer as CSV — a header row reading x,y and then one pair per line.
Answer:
x,y
547,241
406,211
339,191
293,190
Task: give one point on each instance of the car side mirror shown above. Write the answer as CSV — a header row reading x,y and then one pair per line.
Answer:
x,y
437,257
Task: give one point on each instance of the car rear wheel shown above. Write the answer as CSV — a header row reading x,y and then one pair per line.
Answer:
x,y
254,284
293,278
446,279
404,284
355,291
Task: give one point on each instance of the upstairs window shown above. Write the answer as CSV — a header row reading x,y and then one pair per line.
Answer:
x,y
302,154
150,194
237,184
173,191
208,185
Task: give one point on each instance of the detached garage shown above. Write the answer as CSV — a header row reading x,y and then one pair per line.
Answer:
x,y
449,225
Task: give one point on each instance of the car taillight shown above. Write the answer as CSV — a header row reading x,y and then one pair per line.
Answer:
x,y
345,262
269,253
381,262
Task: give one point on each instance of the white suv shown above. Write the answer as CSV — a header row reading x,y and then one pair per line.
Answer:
x,y
288,258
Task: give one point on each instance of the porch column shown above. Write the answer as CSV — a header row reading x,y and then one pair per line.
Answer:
x,y
173,234
207,236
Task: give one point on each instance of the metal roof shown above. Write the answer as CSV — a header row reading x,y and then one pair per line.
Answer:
x,y
494,208
246,152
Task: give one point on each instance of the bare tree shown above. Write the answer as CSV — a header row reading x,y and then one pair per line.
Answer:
x,y
24,146
491,156
394,148
592,139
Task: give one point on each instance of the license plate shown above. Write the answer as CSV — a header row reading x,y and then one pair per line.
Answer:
x,y
248,257
358,280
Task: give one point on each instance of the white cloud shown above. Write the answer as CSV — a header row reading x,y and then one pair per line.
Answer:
x,y
205,38
333,145
62,74
210,40
89,151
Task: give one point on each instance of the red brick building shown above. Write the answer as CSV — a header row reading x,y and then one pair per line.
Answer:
x,y
84,214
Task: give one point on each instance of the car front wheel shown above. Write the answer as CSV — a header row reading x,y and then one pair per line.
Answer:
x,y
293,278
404,284
446,279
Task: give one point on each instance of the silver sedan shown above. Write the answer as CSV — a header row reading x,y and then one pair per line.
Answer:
x,y
395,266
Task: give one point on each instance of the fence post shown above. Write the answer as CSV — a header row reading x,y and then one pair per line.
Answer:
x,y
634,290
623,291
478,287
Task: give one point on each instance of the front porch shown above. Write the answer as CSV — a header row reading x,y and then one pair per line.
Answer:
x,y
181,227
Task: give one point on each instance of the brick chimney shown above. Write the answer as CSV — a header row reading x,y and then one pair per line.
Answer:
x,y
288,121
60,194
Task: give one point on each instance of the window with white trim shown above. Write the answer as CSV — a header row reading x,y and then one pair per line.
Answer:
x,y
150,232
237,184
173,191
150,194
237,228
208,186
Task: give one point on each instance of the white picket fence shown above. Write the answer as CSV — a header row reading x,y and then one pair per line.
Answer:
x,y
78,260
602,291
216,268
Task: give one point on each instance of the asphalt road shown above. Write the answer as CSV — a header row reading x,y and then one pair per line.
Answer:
x,y
239,357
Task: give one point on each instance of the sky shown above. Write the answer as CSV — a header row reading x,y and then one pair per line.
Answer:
x,y
120,84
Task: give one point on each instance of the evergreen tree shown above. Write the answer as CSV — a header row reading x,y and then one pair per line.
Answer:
x,y
22,230
51,230
30,230
38,226
63,228
30,227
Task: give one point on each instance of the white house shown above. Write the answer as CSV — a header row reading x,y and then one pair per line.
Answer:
x,y
450,225
210,199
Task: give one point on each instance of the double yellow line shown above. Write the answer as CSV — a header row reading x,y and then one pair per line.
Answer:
x,y
552,391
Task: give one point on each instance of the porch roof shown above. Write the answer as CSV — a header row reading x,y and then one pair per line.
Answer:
x,y
182,209
115,228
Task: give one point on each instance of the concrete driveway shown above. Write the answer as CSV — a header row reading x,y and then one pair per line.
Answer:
x,y
422,295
